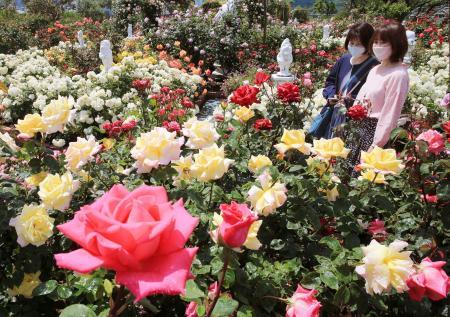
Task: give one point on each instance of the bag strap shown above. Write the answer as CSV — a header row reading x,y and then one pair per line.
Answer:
x,y
355,75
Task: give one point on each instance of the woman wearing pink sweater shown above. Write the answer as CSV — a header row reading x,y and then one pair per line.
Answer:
x,y
385,90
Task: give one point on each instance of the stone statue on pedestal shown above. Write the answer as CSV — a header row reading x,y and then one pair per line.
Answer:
x,y
227,7
411,36
284,59
326,32
80,38
106,54
130,31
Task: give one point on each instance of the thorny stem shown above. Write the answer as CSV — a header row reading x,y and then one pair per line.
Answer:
x,y
222,278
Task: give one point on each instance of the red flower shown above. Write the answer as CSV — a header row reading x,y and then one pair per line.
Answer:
x,y
129,125
357,112
261,78
245,95
377,230
446,127
288,92
141,84
263,124
187,103
172,126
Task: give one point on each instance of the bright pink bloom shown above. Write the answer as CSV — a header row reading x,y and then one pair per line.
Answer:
x,y
430,281
138,234
191,310
237,219
303,304
141,84
376,228
212,290
288,92
435,140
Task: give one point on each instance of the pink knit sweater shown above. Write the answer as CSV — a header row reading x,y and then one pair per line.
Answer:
x,y
386,89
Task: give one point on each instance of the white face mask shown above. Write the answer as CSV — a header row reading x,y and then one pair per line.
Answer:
x,y
356,51
382,52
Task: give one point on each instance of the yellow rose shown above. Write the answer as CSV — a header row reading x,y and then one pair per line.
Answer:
x,y
244,114
201,134
252,241
268,197
382,161
30,125
257,162
330,148
56,191
157,147
210,163
385,267
371,176
80,152
57,114
183,167
293,139
108,143
29,283
320,166
33,225
333,193
36,179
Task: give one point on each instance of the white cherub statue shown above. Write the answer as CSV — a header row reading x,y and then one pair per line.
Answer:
x,y
285,58
80,38
326,32
411,36
227,7
106,54
130,31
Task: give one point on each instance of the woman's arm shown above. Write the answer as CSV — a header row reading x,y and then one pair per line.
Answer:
x,y
396,92
330,84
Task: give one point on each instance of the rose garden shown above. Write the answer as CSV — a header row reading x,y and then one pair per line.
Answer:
x,y
182,158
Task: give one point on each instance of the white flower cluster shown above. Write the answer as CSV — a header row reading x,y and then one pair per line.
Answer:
x,y
99,96
332,42
311,107
429,82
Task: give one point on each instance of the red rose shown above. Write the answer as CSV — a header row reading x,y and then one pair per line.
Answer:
x,y
261,78
357,112
106,126
237,219
172,126
141,84
187,103
245,95
129,125
288,92
263,124
446,127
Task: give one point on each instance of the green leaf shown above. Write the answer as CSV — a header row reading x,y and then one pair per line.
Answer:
x,y
193,291
225,307
77,310
342,296
201,310
108,286
230,277
104,313
277,244
333,244
330,280
63,292
45,288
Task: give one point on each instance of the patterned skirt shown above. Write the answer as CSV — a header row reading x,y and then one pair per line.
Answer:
x,y
365,133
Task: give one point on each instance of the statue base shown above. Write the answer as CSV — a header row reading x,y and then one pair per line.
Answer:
x,y
279,79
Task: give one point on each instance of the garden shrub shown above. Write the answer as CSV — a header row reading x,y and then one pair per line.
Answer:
x,y
300,14
211,5
46,8
90,9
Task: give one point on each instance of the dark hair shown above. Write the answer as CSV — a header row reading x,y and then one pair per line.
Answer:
x,y
361,31
395,34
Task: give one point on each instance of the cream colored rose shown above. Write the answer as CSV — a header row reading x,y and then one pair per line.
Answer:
x,y
293,139
381,160
267,197
210,163
201,134
81,152
257,162
385,267
330,148
56,190
33,225
5,137
30,125
244,114
183,167
36,179
154,148
57,114
29,283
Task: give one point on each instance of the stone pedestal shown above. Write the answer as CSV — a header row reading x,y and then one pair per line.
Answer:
x,y
281,79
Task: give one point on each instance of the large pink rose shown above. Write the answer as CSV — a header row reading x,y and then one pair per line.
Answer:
x,y
237,219
303,304
138,234
435,140
430,281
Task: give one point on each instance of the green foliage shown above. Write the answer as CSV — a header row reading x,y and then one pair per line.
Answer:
x,y
210,5
91,9
300,14
46,8
325,7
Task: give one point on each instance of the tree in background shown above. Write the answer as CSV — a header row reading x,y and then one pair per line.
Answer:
x,y
325,7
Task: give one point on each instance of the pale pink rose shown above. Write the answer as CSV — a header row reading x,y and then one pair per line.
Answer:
x,y
445,102
303,304
307,82
138,234
435,140
191,310
430,281
212,289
